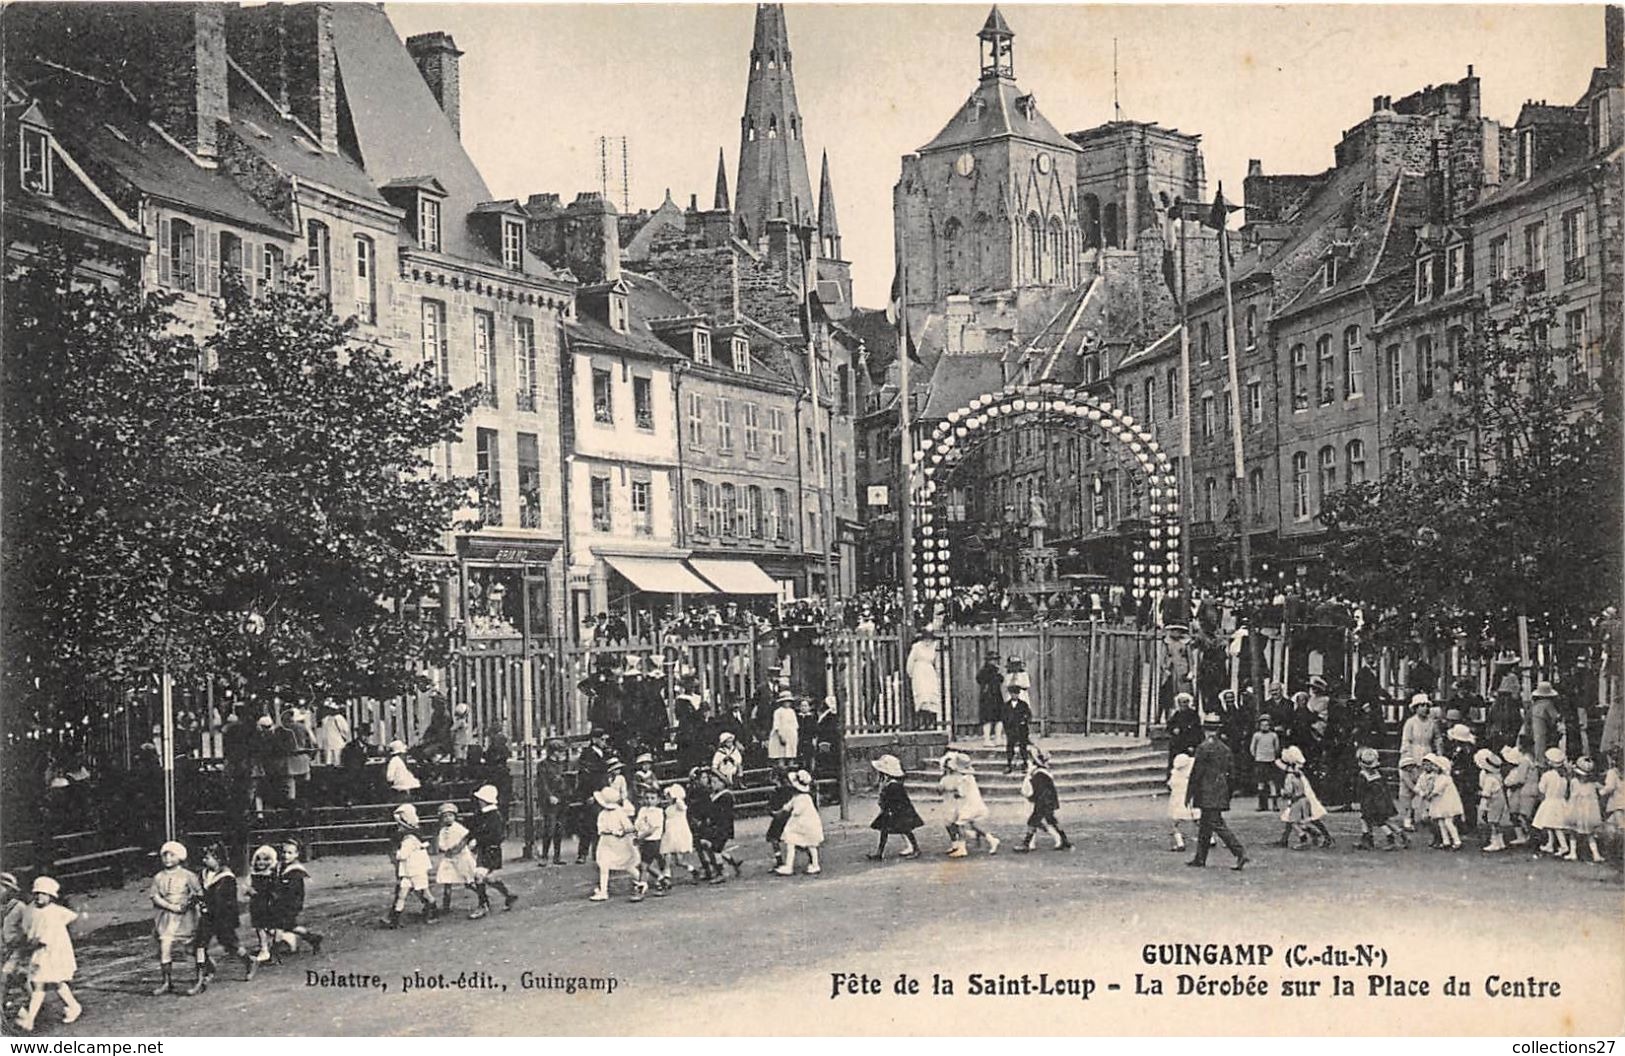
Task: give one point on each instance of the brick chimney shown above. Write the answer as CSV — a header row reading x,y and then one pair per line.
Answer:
x,y
438,60
288,50
1614,36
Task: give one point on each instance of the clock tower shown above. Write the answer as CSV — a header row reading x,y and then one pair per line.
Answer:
x,y
989,204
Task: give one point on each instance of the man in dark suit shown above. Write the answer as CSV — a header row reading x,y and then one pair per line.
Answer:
x,y
1209,792
1184,727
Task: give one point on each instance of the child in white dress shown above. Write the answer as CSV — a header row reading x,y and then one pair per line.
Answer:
x,y
970,813
1179,777
617,847
456,868
804,829
411,858
1443,800
1553,813
1585,811
175,894
51,962
677,841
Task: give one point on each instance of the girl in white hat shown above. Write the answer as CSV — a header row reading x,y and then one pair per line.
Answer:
x,y
1553,813
262,916
970,813
456,868
487,829
411,858
617,847
1522,793
677,838
402,782
1438,790
1585,812
804,829
1179,812
175,893
1303,811
1493,809
897,815
44,927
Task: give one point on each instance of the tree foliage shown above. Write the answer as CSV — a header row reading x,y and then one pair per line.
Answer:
x,y
1510,505
251,506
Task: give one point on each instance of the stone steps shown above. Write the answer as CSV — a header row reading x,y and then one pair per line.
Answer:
x,y
1083,770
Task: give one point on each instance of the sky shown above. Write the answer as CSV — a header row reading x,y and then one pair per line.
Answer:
x,y
542,82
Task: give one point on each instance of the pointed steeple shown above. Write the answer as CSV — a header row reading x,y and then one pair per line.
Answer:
x,y
719,202
998,48
829,228
772,149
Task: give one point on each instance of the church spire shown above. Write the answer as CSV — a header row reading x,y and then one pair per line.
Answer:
x,y
772,178
719,202
829,228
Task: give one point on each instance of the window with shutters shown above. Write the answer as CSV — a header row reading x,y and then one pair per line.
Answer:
x,y
725,424
1396,378
485,355
233,262
524,363
1455,268
781,515
1424,368
601,498
715,513
530,482
272,267
366,279
753,433
433,338
1574,245
740,349
182,257
699,507
754,510
1424,279
1534,256
696,419
775,417
1325,370
1328,473
319,255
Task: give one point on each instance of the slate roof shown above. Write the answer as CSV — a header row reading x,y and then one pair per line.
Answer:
x,y
400,131
960,377
1377,251
282,143
668,218
1566,169
991,113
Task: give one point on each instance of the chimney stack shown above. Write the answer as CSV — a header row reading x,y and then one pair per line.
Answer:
x,y
438,60
584,236
1614,32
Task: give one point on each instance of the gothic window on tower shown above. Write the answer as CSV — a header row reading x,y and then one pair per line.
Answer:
x,y
750,131
1035,236
1055,249
773,128
951,232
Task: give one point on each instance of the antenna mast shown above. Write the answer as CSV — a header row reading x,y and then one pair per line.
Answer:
x,y
1117,106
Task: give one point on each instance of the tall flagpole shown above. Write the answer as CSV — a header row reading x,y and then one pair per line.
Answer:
x,y
1243,500
1186,496
905,474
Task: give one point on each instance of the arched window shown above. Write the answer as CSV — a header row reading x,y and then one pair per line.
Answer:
x,y
1210,499
1055,251
1353,363
1091,222
1300,378
1325,370
1300,485
1151,399
951,252
773,127
1354,459
1328,472
1035,236
1108,226
750,130
980,249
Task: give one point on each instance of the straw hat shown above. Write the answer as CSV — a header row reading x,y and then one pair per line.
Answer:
x,y
785,697
1584,765
1486,760
1459,732
1512,755
407,815
675,793
801,781
888,765
1437,760
1420,698
1555,756
608,797
1544,689
643,757
45,885
1293,756
397,747
486,793
448,808
8,882
174,847
726,739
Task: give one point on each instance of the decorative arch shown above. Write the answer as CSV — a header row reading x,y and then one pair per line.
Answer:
x,y
1156,576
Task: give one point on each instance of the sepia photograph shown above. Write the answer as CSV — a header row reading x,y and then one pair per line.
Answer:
x,y
801,520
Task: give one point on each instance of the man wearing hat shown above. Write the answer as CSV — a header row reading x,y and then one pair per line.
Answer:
x,y
1208,790
1544,719
592,767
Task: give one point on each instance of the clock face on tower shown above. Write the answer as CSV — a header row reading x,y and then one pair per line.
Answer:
x,y
1043,163
965,164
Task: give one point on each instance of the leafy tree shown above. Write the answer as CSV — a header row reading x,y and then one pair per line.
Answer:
x,y
251,507
1511,506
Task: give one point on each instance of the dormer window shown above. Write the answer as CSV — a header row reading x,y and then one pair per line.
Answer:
x,y
741,355
619,315
513,245
1424,279
1328,274
36,161
1600,119
429,222
702,347
1455,268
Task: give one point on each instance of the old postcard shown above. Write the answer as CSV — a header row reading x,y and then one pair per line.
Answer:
x,y
811,519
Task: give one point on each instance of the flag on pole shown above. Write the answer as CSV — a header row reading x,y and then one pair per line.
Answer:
x,y
1218,218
